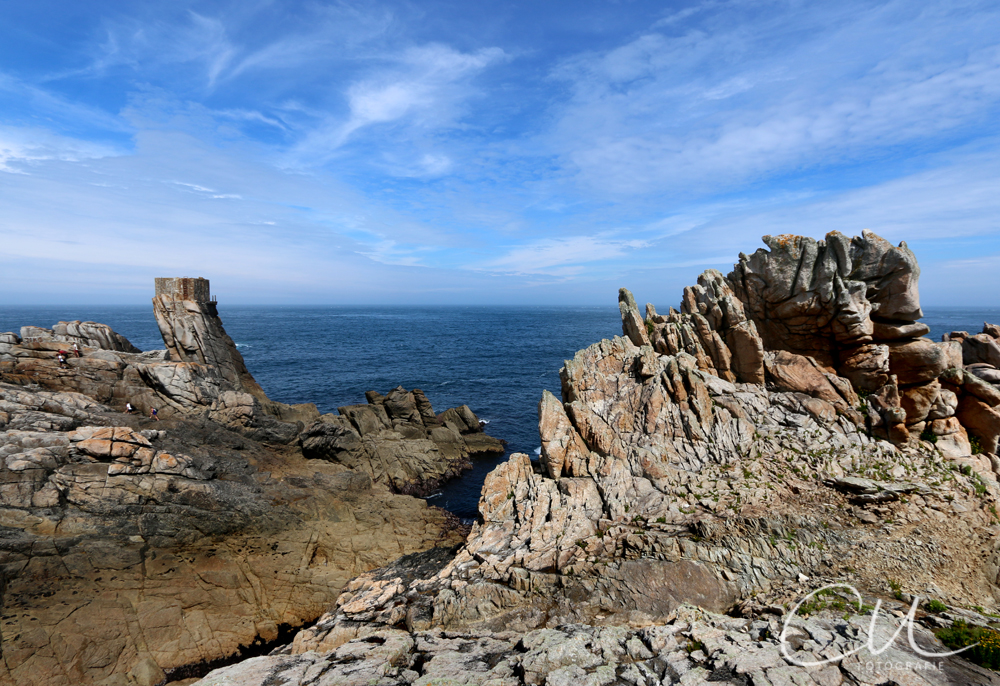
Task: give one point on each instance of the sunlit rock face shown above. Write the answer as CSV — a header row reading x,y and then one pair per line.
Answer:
x,y
787,425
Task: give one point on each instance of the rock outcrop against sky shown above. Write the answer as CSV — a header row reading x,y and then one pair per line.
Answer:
x,y
787,428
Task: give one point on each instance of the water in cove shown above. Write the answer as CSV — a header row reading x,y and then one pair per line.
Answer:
x,y
497,360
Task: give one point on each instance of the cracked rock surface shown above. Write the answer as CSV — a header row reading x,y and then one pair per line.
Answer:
x,y
692,647
787,428
132,549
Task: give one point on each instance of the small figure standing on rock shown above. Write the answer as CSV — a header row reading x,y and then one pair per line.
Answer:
x,y
76,350
61,356
152,414
129,409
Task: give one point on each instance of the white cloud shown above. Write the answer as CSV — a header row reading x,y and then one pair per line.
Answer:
x,y
20,147
423,87
561,256
762,95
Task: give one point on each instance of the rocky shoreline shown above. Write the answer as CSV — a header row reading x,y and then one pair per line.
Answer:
x,y
789,427
134,548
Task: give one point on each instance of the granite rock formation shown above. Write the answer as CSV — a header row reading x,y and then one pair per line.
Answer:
x,y
694,647
398,440
131,549
788,427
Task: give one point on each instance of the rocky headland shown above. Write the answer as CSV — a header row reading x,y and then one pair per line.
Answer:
x,y
790,426
135,551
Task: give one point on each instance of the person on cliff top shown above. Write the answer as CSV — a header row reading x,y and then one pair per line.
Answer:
x,y
152,414
76,350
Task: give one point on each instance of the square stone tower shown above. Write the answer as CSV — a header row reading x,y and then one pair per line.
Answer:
x,y
185,289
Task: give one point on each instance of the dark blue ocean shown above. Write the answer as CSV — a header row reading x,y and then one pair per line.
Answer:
x,y
497,360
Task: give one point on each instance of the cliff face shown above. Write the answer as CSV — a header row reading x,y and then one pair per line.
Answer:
x,y
788,427
131,548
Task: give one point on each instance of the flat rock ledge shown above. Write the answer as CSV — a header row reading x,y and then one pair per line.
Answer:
x,y
693,647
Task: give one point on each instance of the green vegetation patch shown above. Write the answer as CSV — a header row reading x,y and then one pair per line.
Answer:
x,y
985,642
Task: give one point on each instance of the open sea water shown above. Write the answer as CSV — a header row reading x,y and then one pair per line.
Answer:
x,y
497,360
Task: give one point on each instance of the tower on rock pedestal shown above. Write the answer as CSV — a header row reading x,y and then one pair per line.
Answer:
x,y
185,288
188,318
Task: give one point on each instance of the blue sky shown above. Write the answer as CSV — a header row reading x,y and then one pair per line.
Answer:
x,y
495,153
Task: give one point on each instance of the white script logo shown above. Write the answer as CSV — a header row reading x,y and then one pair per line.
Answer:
x,y
907,621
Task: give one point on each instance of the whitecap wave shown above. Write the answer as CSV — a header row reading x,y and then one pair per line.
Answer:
x,y
538,450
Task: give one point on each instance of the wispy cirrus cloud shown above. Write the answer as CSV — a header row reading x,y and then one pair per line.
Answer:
x,y
561,256
423,89
23,147
728,102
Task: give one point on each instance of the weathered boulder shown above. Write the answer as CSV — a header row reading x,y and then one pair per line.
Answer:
x,y
865,366
986,372
84,334
894,331
981,420
635,329
952,438
964,381
918,400
944,405
815,297
243,412
952,354
981,348
915,361
562,447
790,372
